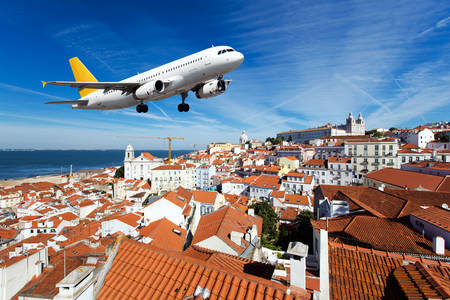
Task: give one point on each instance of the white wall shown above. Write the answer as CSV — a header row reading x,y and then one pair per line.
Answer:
x,y
164,209
215,243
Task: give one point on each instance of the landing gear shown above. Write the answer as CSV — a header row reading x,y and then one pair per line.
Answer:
x,y
142,108
183,107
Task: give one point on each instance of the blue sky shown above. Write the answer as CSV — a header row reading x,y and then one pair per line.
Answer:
x,y
306,63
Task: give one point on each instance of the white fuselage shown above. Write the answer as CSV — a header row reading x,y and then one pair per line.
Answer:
x,y
181,76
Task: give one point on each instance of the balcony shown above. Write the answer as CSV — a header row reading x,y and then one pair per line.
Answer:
x,y
364,163
375,163
390,164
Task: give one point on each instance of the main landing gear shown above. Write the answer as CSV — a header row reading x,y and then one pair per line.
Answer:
x,y
142,108
183,107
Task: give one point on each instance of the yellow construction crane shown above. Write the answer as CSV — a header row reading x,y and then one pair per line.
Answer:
x,y
169,138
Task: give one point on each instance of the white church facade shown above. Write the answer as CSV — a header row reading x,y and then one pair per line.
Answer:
x,y
140,167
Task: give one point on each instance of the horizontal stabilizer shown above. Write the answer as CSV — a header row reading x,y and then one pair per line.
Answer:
x,y
81,102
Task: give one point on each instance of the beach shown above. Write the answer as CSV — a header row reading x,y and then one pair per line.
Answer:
x,y
17,181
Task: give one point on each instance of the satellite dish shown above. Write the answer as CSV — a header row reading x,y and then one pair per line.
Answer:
x,y
445,206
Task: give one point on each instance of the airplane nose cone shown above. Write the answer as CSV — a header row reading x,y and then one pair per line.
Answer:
x,y
240,57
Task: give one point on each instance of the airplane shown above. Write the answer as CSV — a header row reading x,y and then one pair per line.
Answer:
x,y
201,73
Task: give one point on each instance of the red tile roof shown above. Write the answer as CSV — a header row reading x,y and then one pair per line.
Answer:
x,y
267,181
230,262
390,203
44,286
434,215
295,174
341,160
314,162
291,157
163,234
378,233
288,213
406,179
222,222
359,273
172,197
148,156
204,196
297,199
418,281
140,271
444,186
131,219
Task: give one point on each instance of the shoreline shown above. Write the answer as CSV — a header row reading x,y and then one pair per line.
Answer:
x,y
54,178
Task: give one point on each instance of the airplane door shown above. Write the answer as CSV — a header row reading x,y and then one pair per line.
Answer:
x,y
207,60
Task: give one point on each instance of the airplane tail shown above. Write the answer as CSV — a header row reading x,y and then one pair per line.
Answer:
x,y
81,74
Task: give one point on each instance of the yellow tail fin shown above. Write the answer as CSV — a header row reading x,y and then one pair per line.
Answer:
x,y
81,74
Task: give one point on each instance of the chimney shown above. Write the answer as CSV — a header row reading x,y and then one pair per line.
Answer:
x,y
298,253
381,187
323,265
251,212
439,245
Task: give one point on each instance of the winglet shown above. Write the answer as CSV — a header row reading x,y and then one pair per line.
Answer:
x,y
43,84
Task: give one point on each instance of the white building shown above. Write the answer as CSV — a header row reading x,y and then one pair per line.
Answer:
x,y
28,263
351,127
169,206
297,183
126,224
141,166
419,136
329,149
371,154
204,174
169,177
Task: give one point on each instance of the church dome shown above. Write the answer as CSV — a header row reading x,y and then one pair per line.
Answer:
x,y
244,138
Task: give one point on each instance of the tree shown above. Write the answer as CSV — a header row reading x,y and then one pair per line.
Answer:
x,y
392,129
442,137
304,227
290,138
119,173
270,220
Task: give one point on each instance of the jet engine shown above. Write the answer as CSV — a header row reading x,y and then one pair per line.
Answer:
x,y
211,89
148,89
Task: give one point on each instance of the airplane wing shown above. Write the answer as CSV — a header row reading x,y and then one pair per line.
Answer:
x,y
80,102
122,86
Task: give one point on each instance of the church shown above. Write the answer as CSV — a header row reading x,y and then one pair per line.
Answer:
x,y
140,167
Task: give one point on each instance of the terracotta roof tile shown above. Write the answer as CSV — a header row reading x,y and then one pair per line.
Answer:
x,y
434,215
377,233
171,275
204,196
417,281
406,179
163,235
221,222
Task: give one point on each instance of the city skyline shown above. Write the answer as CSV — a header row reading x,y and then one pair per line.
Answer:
x,y
305,65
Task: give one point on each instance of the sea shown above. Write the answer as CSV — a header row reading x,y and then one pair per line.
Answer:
x,y
31,163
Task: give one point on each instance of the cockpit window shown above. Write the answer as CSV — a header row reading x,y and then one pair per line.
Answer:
x,y
224,51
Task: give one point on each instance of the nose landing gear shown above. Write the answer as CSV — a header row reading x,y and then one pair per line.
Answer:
x,y
183,107
142,108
